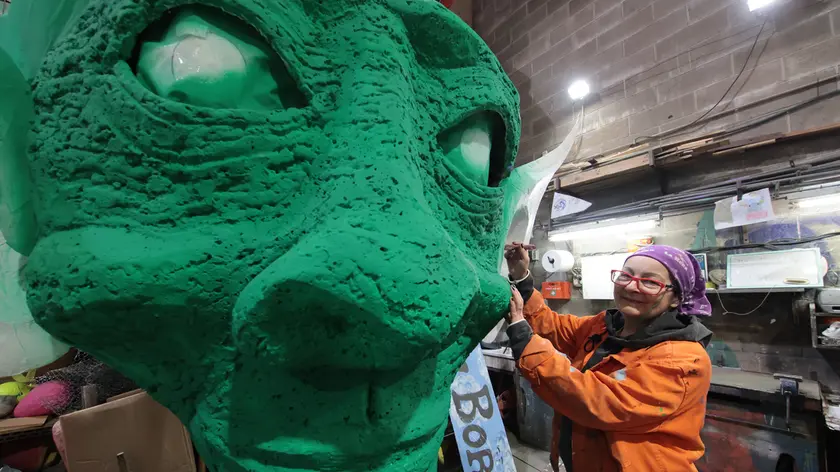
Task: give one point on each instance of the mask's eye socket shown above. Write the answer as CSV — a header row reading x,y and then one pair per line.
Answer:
x,y
476,148
202,56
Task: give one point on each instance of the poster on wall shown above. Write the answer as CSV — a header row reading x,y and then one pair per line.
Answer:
x,y
702,260
753,207
476,419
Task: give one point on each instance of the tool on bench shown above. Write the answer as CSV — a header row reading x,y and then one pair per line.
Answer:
x,y
789,388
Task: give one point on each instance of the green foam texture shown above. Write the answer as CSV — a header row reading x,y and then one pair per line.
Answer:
x,y
294,258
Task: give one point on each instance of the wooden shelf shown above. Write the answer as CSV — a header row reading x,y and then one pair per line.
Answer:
x,y
27,432
827,347
757,290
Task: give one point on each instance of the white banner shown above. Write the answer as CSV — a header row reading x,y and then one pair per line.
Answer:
x,y
565,205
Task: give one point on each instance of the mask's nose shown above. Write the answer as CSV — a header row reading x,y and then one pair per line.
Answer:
x,y
347,297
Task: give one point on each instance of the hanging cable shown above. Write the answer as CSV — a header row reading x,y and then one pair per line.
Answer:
x,y
676,131
727,312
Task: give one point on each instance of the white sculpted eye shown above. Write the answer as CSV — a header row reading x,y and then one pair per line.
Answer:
x,y
475,150
207,59
204,57
468,147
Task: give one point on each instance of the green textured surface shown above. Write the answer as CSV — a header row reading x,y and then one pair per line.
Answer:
x,y
297,277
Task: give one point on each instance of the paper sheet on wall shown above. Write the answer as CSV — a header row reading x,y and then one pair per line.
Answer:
x,y
565,205
595,275
754,207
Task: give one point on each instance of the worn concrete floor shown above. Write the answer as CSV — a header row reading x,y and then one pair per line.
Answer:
x,y
527,458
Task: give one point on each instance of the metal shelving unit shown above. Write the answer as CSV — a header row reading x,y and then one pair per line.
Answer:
x,y
756,290
815,330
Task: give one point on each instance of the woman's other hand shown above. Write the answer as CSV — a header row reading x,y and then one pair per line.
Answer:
x,y
516,306
518,260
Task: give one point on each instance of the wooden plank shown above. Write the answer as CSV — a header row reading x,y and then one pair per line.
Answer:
x,y
730,147
13,425
700,143
709,147
571,175
811,131
744,148
605,171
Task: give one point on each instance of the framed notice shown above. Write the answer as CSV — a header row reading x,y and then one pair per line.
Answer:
x,y
476,420
775,269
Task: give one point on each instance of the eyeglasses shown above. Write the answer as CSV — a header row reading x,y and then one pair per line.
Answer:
x,y
646,286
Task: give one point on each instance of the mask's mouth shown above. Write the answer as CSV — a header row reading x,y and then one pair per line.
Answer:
x,y
202,56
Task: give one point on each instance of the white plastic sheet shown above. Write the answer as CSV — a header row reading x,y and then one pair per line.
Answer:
x,y
753,207
23,344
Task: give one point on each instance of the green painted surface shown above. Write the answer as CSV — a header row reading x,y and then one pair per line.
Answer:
x,y
289,249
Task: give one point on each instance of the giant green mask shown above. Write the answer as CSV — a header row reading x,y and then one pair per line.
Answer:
x,y
281,218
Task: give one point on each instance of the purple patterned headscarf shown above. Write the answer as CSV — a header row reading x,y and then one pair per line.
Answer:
x,y
685,271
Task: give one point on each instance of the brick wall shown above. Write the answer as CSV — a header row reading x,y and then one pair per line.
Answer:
x,y
464,9
655,65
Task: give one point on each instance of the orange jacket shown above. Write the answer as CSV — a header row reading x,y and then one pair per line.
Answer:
x,y
639,409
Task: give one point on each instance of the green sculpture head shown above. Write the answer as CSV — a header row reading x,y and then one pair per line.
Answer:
x,y
282,219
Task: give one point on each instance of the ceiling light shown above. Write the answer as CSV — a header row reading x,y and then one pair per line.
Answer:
x,y
606,229
756,4
578,89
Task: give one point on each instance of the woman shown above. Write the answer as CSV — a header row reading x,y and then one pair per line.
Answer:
x,y
628,385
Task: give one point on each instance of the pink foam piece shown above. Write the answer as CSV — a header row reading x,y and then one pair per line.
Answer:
x,y
44,399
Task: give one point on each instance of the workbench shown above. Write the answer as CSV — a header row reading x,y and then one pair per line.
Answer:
x,y
725,381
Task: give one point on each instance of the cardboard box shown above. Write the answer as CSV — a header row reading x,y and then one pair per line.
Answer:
x,y
149,437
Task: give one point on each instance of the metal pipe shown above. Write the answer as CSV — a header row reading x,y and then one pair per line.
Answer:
x,y
788,180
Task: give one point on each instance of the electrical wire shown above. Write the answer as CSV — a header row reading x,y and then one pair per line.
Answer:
x,y
727,312
737,77
780,113
676,131
626,82
757,121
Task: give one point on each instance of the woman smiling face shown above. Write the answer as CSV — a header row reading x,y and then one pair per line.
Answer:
x,y
639,302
